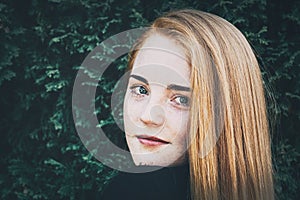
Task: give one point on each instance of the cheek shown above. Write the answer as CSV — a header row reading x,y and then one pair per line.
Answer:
x,y
178,124
178,119
131,109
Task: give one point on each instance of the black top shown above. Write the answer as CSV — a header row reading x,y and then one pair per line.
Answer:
x,y
166,183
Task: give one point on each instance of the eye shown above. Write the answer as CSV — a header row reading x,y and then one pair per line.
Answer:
x,y
181,101
139,90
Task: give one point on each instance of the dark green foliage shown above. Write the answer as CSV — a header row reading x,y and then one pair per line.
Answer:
x,y
286,163
43,43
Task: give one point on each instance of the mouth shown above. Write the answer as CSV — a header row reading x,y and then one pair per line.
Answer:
x,y
151,141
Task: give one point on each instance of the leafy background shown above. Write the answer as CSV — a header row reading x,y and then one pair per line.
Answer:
x,y
44,42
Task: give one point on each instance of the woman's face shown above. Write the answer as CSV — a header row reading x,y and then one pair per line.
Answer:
x,y
157,101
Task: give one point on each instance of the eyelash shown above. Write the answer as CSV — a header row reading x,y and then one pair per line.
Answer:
x,y
136,91
185,104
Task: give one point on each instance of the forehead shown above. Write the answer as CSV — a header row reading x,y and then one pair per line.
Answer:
x,y
161,56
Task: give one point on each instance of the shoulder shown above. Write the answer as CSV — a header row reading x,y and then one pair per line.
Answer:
x,y
128,186
155,185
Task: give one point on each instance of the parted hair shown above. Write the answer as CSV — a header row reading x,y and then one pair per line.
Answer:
x,y
229,150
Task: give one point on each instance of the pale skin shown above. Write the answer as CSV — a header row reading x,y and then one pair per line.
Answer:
x,y
157,101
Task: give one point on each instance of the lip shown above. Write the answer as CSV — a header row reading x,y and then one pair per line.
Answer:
x,y
151,140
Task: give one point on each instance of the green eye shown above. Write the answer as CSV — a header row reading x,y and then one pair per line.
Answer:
x,y
182,100
139,90
142,90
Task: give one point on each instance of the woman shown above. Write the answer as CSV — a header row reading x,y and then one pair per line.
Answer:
x,y
195,100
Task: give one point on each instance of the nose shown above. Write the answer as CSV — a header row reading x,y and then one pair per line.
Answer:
x,y
153,115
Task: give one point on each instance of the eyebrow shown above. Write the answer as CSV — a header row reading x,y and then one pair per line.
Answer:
x,y
169,87
140,78
178,88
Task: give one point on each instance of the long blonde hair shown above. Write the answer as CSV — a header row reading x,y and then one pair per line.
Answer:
x,y
228,109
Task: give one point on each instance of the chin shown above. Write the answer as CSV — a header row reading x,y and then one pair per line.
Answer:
x,y
148,160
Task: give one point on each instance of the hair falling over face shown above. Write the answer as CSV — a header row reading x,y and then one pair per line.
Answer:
x,y
230,150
